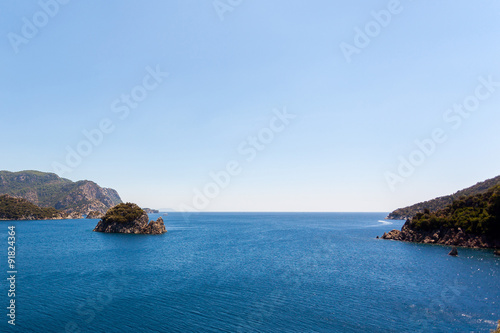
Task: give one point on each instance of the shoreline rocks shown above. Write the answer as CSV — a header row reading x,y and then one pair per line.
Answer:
x,y
452,237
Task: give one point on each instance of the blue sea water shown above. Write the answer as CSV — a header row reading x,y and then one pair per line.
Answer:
x,y
246,272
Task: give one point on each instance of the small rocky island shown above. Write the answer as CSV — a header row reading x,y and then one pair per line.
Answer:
x,y
128,218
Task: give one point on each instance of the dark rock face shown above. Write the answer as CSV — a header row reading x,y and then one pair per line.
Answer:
x,y
453,237
137,226
453,252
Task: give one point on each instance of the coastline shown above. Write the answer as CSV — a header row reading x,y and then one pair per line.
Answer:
x,y
443,236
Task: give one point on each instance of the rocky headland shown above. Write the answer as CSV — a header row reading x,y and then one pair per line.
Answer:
x,y
472,221
128,218
452,237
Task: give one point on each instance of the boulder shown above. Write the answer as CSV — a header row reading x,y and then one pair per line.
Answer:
x,y
393,234
155,227
453,252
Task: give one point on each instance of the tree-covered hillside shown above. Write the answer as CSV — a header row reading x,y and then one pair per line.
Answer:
x,y
476,214
20,209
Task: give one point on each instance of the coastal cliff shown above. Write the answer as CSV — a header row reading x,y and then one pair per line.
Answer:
x,y
128,218
473,221
49,190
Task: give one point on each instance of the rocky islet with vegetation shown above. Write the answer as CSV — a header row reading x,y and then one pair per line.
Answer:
x,y
128,218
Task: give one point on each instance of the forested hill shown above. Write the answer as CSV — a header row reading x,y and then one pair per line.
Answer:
x,y
49,190
21,209
441,202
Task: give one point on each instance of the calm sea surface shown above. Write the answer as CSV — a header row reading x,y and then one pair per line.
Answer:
x,y
246,272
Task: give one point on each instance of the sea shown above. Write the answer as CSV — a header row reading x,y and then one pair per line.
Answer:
x,y
244,272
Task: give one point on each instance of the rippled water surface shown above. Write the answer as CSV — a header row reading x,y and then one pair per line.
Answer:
x,y
247,272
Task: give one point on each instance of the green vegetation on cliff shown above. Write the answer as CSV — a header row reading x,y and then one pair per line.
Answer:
x,y
123,213
476,214
20,209
49,190
441,202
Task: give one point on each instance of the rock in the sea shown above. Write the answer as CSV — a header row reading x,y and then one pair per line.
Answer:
x,y
497,253
156,227
443,236
129,219
453,252
393,234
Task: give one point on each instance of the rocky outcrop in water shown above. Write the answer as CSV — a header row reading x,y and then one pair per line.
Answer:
x,y
137,226
472,221
453,237
129,219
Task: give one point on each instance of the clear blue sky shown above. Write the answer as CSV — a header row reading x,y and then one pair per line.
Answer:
x,y
65,70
